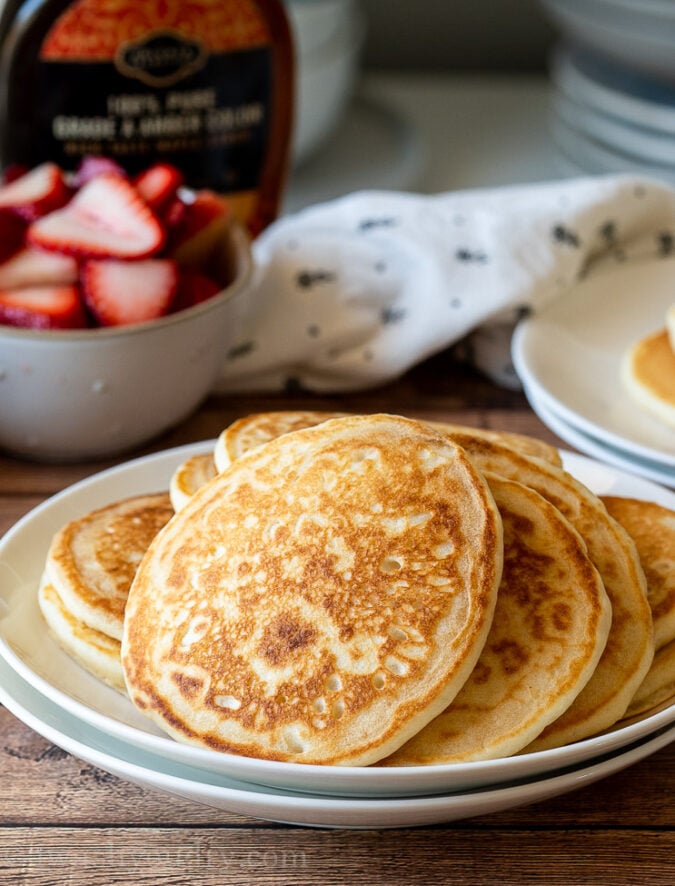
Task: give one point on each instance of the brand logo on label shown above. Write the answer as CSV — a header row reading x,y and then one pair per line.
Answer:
x,y
160,58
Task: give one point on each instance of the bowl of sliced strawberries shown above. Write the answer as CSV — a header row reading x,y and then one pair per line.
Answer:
x,y
119,297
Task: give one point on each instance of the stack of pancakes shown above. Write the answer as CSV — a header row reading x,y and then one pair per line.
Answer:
x,y
648,371
358,590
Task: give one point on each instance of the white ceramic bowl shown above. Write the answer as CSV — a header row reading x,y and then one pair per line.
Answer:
x,y
84,394
314,22
325,82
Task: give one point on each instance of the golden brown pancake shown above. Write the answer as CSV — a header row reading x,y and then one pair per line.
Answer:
x,y
658,686
630,645
520,442
648,374
92,560
250,431
652,528
189,476
320,600
95,652
549,629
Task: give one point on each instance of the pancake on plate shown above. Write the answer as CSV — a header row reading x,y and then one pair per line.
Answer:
x,y
630,645
92,650
648,374
250,431
657,687
652,528
92,559
322,599
549,629
189,476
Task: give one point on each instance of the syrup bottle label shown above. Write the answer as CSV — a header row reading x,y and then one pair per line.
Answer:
x,y
190,82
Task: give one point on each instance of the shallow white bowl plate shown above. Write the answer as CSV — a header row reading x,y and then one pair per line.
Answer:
x,y
597,448
614,91
570,354
226,794
28,650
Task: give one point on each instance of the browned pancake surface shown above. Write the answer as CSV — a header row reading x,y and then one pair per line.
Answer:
x,y
321,599
92,560
652,528
550,627
630,645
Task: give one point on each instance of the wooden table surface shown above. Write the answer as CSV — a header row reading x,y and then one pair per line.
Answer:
x,y
65,822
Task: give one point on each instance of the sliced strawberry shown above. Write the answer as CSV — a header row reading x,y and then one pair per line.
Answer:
x,y
36,267
12,233
13,171
107,218
123,292
43,307
38,192
193,289
203,223
158,185
92,166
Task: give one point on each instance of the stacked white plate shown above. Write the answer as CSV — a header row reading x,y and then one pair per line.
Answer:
x,y
568,357
606,118
69,707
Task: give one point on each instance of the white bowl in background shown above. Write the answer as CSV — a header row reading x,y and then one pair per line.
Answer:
x,y
315,22
69,395
325,83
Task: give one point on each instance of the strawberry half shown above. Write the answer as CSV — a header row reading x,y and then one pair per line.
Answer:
x,y
36,267
38,192
107,218
200,226
12,232
158,185
43,307
122,292
193,289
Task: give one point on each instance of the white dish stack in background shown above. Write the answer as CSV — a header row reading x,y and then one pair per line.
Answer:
x,y
329,35
613,76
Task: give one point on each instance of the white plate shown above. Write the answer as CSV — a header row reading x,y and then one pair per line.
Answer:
x,y
27,648
625,139
596,448
613,90
220,792
596,158
571,353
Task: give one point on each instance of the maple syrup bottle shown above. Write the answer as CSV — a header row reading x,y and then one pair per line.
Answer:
x,y
206,85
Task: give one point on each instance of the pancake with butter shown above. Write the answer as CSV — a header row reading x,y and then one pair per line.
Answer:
x,y
189,476
549,629
252,430
652,528
630,645
320,600
648,375
92,560
95,652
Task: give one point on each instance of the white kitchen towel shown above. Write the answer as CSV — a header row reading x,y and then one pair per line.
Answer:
x,y
351,293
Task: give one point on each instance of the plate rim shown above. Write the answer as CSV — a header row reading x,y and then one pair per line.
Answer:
x,y
525,337
351,780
